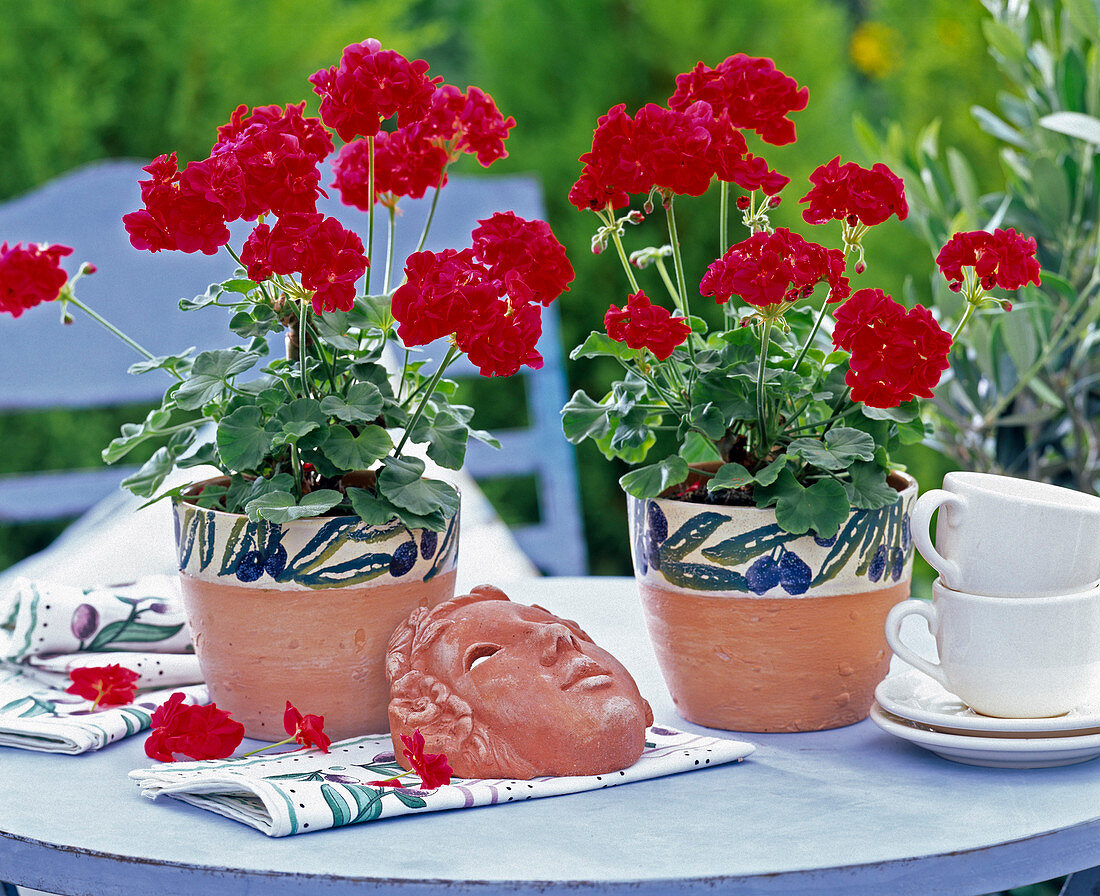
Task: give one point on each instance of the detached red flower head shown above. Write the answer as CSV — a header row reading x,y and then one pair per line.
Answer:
x,y
897,355
640,324
767,269
308,730
198,732
30,275
112,685
433,768
369,85
1004,259
853,194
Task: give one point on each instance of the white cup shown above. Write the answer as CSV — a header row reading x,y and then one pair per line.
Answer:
x,y
1009,537
1010,657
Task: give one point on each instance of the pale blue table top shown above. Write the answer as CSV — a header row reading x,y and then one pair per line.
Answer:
x,y
848,811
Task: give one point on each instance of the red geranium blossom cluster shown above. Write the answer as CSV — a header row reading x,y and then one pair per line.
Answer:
x,y
854,195
30,275
414,158
772,268
1003,258
680,149
329,257
433,768
488,297
641,324
896,354
198,732
112,685
370,85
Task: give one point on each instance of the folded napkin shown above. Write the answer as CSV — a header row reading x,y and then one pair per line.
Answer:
x,y
306,790
47,630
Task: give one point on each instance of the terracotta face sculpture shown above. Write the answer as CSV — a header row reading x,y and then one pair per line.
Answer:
x,y
508,690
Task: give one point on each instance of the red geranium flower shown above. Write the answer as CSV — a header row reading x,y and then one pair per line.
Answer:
x,y
523,255
749,91
112,685
198,732
613,168
442,290
767,269
672,148
308,730
369,85
433,769
179,212
30,275
850,193
1003,258
502,338
312,137
405,164
641,324
896,354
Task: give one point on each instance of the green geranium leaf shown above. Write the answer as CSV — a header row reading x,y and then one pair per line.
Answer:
x,y
730,475
298,419
600,345
205,454
207,298
376,312
146,481
650,481
257,321
903,413
375,510
869,489
632,429
180,363
733,395
363,404
709,420
767,475
583,418
209,374
840,448
446,437
280,507
240,285
242,440
822,507
351,452
133,434
401,481
696,449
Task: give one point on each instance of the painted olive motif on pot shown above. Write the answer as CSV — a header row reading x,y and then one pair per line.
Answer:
x,y
742,550
312,554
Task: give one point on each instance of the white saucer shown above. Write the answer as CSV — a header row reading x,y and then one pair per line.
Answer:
x,y
994,752
915,697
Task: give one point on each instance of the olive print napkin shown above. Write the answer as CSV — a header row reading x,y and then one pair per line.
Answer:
x,y
47,630
306,790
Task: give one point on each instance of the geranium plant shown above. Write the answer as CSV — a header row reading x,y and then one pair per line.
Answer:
x,y
289,429
802,395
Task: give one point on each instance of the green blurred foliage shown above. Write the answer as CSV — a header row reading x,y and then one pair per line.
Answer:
x,y
92,79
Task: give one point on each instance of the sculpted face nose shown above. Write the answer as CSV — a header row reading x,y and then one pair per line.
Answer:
x,y
555,638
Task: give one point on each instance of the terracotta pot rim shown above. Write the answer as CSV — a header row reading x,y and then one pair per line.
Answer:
x,y
190,493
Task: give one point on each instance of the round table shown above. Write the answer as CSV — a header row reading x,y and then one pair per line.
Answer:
x,y
837,812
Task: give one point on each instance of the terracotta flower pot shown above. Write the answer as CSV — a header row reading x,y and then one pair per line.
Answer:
x,y
302,611
759,630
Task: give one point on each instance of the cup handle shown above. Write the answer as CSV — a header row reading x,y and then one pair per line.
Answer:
x,y
925,505
893,636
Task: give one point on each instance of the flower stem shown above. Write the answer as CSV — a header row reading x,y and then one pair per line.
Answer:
x,y
103,322
391,230
813,331
761,398
281,743
431,214
678,263
617,240
370,216
723,218
452,353
967,314
669,285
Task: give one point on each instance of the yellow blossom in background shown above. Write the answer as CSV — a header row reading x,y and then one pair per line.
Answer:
x,y
875,49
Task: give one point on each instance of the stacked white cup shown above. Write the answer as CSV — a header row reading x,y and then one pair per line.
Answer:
x,y
1016,608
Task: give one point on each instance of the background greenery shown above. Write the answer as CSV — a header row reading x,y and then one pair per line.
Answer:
x,y
89,79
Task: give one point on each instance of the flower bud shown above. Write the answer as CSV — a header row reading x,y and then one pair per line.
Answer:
x,y
955,286
88,268
860,267
635,217
774,201
743,202
1005,305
